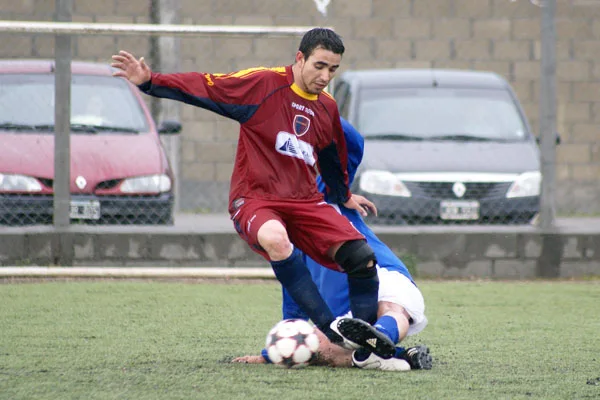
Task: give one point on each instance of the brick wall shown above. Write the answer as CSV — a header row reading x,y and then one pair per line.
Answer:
x,y
496,35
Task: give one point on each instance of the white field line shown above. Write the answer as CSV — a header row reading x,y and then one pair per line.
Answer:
x,y
137,272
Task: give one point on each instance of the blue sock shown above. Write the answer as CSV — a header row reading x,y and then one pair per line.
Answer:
x,y
399,351
363,295
295,278
388,326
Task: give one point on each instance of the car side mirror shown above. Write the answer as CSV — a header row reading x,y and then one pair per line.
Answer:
x,y
558,139
169,127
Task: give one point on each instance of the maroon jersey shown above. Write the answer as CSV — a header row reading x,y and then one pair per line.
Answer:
x,y
287,136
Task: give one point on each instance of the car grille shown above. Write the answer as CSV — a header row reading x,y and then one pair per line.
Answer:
x,y
443,190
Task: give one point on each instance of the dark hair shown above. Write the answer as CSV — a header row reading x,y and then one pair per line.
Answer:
x,y
321,37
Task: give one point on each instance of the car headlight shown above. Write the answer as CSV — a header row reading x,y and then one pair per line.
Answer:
x,y
384,183
19,183
526,184
147,184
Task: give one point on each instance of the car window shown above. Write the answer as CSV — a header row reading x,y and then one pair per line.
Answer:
x,y
28,99
438,112
342,97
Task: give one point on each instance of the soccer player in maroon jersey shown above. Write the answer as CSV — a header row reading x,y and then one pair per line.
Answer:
x,y
289,132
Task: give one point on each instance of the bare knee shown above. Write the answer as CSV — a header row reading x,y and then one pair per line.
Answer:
x,y
273,238
397,312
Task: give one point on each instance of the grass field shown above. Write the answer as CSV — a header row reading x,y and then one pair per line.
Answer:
x,y
173,340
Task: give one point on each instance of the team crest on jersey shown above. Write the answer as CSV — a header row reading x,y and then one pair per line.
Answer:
x,y
301,124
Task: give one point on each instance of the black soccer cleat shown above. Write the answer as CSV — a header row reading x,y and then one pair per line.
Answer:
x,y
418,357
357,333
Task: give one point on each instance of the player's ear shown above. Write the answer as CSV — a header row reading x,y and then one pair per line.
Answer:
x,y
300,57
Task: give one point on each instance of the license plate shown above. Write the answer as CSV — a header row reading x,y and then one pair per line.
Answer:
x,y
459,210
85,209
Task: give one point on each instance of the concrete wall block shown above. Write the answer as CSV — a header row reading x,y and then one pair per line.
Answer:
x,y
525,28
289,8
350,8
476,49
451,249
592,250
472,8
529,246
230,7
215,152
453,64
41,247
497,29
16,7
101,7
198,171
432,49
175,249
282,49
513,269
430,269
413,28
514,9
123,246
452,28
83,247
573,247
572,153
373,28
584,133
393,49
513,49
588,91
395,8
12,248
437,9
586,173
575,112
16,46
574,269
195,9
473,269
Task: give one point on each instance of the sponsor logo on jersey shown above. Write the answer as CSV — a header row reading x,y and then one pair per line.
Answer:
x,y
289,145
301,124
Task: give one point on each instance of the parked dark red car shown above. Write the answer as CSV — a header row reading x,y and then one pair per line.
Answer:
x,y
119,171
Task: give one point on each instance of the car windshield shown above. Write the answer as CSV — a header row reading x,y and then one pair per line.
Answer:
x,y
440,114
98,104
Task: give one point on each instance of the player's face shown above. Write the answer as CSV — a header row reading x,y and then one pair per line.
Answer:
x,y
317,70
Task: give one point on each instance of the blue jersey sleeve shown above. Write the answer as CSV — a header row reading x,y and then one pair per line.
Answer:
x,y
355,145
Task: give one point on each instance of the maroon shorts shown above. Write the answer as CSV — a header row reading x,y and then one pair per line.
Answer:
x,y
313,227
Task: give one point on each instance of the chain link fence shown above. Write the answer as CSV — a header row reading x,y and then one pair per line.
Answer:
x,y
123,170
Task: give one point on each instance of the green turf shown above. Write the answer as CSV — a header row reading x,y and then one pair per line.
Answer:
x,y
173,340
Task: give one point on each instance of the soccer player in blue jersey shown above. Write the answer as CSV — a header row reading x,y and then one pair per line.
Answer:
x,y
401,306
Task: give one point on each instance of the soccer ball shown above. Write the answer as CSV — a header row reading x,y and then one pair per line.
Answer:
x,y
292,343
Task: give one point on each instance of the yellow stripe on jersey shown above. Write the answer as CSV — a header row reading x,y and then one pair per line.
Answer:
x,y
326,93
302,93
249,71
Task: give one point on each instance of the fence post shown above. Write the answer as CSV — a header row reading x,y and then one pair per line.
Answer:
x,y
166,55
62,131
548,264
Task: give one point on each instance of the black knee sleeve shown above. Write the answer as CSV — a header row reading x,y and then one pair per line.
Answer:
x,y
354,257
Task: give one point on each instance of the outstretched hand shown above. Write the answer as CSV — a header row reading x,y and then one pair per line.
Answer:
x,y
361,204
136,71
249,360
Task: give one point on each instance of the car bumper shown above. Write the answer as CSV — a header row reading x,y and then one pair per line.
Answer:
x,y
417,211
114,210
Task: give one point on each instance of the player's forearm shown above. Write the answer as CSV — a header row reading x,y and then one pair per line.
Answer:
x,y
181,86
334,175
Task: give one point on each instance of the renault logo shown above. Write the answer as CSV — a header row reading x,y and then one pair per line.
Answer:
x,y
80,182
459,189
